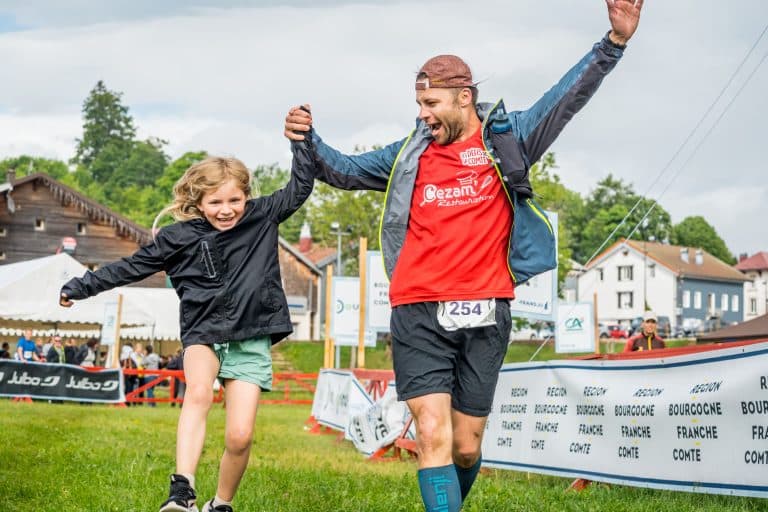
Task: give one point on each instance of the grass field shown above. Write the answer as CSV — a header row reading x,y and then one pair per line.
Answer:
x,y
70,457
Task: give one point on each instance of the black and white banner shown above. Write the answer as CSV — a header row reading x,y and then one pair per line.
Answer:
x,y
60,382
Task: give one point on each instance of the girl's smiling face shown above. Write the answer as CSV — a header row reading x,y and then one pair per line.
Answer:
x,y
224,206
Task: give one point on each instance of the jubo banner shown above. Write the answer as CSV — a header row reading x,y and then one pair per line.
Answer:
x,y
60,382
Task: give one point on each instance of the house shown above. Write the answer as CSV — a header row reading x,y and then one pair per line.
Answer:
x,y
40,216
322,257
679,282
755,268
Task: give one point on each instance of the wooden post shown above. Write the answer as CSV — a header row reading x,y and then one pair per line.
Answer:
x,y
328,350
114,360
363,295
594,319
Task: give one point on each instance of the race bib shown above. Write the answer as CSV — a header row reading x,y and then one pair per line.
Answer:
x,y
466,314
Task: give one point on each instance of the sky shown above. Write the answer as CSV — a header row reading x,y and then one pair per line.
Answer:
x,y
220,75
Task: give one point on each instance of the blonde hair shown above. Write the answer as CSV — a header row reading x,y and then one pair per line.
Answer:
x,y
201,178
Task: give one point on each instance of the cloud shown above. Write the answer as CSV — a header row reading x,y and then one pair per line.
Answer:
x,y
220,76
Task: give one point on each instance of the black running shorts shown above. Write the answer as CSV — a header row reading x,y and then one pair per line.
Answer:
x,y
464,363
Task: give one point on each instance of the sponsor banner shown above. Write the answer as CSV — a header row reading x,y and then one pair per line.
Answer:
x,y
345,321
109,324
696,422
575,328
378,309
60,382
338,396
537,298
380,424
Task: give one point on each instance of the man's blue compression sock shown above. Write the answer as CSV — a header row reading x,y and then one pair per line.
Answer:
x,y
467,477
440,489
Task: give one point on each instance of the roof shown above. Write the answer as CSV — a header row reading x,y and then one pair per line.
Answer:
x,y
752,329
299,255
758,261
711,268
319,255
94,210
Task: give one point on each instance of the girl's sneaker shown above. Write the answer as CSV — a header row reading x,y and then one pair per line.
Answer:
x,y
208,507
181,497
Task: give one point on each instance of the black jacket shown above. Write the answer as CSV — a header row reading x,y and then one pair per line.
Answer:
x,y
229,281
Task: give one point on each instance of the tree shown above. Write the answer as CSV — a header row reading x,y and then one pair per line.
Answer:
x,y
106,122
25,165
697,232
604,210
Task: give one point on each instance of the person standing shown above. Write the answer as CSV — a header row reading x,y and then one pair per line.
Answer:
x,y
446,234
151,362
56,352
647,338
26,348
222,258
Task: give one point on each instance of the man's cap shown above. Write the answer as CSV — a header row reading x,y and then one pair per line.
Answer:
x,y
649,315
444,72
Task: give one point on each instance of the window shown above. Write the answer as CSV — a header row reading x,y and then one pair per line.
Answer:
x,y
625,300
697,300
724,302
711,302
2,255
81,228
600,274
625,273
39,224
686,298
651,270
3,231
735,303
752,306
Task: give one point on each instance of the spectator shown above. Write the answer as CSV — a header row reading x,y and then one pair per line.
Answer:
x,y
176,362
44,350
86,354
151,362
70,351
137,356
646,339
55,354
26,350
5,351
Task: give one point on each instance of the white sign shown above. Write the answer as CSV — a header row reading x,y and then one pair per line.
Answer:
x,y
345,320
575,331
537,297
378,309
338,396
380,424
109,324
695,422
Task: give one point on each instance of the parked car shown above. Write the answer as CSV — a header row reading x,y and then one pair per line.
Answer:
x,y
614,331
538,331
663,326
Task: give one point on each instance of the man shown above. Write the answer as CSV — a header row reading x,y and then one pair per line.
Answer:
x,y
646,339
26,349
445,237
55,353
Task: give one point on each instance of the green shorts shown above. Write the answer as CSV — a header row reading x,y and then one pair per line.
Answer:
x,y
247,360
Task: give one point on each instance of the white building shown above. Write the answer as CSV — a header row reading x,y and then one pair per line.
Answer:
x,y
678,282
756,289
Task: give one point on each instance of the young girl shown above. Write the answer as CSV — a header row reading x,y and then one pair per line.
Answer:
x,y
222,259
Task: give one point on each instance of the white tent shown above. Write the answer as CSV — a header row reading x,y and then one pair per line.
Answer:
x,y
29,297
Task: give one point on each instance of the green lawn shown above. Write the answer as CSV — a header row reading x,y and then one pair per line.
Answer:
x,y
70,457
98,458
